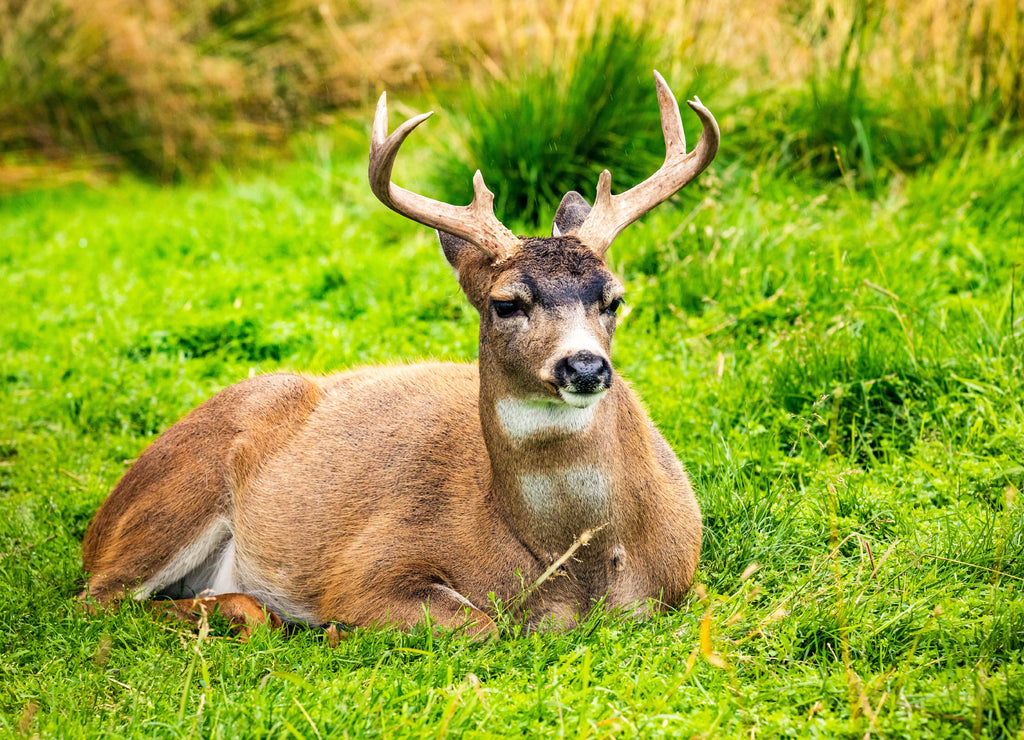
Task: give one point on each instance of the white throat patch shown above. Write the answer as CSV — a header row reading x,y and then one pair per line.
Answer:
x,y
522,420
586,487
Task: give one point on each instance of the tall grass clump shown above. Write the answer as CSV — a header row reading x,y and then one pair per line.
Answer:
x,y
545,126
879,88
851,91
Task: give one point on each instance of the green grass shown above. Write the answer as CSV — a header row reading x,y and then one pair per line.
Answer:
x,y
842,374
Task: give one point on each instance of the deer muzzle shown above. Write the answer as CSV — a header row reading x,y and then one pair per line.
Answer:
x,y
583,374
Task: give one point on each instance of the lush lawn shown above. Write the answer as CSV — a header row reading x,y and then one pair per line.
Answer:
x,y
843,375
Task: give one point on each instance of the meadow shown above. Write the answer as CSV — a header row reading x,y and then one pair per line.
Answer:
x,y
827,326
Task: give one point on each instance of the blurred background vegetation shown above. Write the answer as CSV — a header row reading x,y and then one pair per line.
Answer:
x,y
169,89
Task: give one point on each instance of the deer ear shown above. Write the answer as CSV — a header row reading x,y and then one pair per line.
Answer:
x,y
471,266
455,249
571,214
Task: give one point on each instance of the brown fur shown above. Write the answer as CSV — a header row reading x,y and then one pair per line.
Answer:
x,y
369,496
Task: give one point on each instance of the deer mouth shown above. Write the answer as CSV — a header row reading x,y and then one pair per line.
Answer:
x,y
581,400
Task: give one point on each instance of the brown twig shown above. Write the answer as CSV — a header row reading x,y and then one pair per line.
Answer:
x,y
580,541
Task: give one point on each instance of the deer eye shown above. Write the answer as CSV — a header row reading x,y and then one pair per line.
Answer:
x,y
613,307
508,309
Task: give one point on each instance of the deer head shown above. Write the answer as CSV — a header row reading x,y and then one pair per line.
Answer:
x,y
547,305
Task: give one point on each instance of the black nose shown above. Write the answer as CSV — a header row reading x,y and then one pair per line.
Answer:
x,y
583,372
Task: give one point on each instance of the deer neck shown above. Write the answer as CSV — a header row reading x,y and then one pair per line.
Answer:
x,y
554,468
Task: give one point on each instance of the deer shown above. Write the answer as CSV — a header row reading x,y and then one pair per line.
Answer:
x,y
439,492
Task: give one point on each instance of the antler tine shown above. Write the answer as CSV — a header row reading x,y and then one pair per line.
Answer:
x,y
476,223
613,213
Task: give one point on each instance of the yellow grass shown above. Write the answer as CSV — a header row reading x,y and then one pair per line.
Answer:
x,y
169,85
950,52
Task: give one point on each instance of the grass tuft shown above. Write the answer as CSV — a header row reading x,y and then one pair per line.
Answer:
x,y
550,125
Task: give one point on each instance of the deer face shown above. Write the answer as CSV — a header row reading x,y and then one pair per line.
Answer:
x,y
548,319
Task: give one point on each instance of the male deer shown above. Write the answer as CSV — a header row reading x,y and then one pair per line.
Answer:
x,y
378,495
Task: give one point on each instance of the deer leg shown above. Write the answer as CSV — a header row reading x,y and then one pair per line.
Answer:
x,y
242,611
170,516
132,569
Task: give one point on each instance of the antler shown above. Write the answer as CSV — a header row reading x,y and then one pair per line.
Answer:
x,y
476,223
612,213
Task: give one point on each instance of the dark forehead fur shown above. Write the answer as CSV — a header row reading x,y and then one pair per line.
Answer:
x,y
558,269
559,254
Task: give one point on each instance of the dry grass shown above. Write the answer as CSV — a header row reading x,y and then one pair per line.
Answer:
x,y
949,52
168,86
